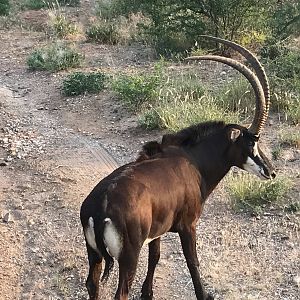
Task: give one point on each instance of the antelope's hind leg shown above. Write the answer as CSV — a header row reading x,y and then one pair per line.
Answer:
x,y
127,270
95,268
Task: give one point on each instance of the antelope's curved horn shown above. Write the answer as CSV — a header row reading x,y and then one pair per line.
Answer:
x,y
258,68
259,116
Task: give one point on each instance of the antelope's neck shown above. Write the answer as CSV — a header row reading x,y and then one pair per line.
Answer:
x,y
212,165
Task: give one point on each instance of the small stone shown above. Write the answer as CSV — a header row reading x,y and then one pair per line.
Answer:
x,y
31,222
7,218
3,164
296,280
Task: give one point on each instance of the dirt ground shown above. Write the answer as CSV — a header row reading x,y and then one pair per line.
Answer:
x,y
53,150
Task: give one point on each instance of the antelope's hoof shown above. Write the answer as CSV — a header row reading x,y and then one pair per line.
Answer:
x,y
147,296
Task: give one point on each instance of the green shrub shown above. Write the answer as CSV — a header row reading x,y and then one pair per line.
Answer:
x,y
293,110
4,7
248,193
34,4
150,119
80,83
136,90
107,10
292,207
103,32
283,65
38,4
54,57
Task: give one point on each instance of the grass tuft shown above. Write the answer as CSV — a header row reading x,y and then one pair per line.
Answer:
x,y
79,83
103,32
54,57
251,194
175,113
39,4
61,26
289,138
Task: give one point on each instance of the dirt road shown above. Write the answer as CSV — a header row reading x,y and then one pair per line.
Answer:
x,y
54,150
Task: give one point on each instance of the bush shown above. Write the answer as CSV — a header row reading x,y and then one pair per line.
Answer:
x,y
136,90
38,4
150,119
62,27
107,10
4,7
283,65
54,58
251,194
103,32
80,83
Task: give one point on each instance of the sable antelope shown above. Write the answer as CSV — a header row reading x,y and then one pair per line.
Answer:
x,y
165,190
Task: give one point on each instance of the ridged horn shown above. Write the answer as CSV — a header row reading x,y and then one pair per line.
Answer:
x,y
255,64
259,116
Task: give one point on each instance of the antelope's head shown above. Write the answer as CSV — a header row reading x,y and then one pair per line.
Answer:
x,y
244,151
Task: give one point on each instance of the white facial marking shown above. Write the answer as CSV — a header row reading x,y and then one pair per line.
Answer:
x,y
251,167
112,239
255,150
89,233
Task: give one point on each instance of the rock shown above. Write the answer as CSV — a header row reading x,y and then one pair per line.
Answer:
x,y
296,280
31,222
7,218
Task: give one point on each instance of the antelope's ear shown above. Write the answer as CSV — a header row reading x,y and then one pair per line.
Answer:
x,y
234,133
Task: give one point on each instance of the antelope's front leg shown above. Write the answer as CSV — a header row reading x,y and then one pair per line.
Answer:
x,y
188,243
154,254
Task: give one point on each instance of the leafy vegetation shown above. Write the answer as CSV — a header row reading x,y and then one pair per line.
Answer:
x,y
175,25
249,193
79,83
175,113
283,65
136,90
4,7
54,57
289,138
103,32
62,27
38,4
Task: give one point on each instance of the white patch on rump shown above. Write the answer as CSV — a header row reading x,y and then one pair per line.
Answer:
x,y
89,233
112,239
